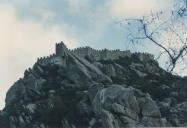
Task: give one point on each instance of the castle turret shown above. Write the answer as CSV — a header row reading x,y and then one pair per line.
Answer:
x,y
61,49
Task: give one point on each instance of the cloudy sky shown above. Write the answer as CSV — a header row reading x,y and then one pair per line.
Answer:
x,y
30,28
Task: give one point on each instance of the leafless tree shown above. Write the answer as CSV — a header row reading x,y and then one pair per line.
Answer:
x,y
167,31
180,8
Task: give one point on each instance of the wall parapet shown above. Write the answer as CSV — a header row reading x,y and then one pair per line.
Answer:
x,y
103,54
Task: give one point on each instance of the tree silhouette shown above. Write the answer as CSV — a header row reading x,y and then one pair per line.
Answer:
x,y
165,30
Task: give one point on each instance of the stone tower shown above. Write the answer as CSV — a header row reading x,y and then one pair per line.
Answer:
x,y
61,49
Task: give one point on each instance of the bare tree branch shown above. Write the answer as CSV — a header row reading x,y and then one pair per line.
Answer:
x,y
174,54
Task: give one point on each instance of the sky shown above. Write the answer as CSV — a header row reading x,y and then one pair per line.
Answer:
x,y
30,29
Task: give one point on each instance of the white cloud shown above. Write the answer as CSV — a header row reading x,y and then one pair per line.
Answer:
x,y
77,6
21,42
44,14
134,8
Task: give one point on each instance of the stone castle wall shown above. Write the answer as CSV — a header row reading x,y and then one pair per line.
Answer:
x,y
104,54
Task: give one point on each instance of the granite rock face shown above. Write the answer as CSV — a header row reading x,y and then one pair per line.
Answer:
x,y
87,88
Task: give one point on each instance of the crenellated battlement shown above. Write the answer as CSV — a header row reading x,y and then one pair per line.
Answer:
x,y
103,54
45,58
106,54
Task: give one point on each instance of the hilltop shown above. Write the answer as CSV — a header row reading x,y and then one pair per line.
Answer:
x,y
88,88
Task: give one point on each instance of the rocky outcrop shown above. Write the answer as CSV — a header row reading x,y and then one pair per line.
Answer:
x,y
77,89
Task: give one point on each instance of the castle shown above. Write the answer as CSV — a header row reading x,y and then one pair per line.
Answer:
x,y
105,54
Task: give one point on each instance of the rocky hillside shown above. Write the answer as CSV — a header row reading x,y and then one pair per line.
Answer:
x,y
85,88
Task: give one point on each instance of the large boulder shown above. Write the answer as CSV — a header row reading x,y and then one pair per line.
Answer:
x,y
121,106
